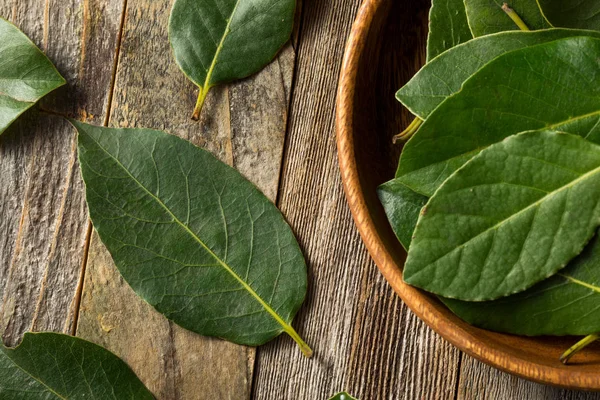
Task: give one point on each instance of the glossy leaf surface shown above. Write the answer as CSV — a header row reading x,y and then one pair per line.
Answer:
x,y
26,74
222,40
486,16
54,366
444,76
448,26
584,14
402,207
512,216
192,236
566,304
552,85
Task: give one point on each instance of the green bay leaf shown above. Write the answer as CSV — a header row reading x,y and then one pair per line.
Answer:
x,y
55,366
486,16
444,76
584,14
192,237
551,85
342,396
402,206
567,303
26,74
217,41
448,26
512,216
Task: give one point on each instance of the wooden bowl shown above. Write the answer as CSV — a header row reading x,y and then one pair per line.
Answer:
x,y
385,48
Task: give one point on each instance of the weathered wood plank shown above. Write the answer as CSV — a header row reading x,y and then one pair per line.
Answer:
x,y
244,125
365,340
43,217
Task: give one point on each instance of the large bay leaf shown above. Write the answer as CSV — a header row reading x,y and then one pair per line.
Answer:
x,y
26,74
448,26
192,236
444,75
512,216
487,16
583,14
54,366
402,206
568,303
218,41
552,85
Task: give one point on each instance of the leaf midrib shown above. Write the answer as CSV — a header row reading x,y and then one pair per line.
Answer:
x,y
286,327
579,282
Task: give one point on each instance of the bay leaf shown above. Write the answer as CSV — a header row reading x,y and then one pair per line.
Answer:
x,y
192,237
448,26
551,85
486,16
219,41
444,76
55,366
342,396
26,74
567,303
514,215
584,14
402,206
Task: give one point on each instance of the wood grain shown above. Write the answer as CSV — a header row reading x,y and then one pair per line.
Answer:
x,y
43,217
243,124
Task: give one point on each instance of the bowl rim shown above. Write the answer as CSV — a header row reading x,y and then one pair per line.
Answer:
x,y
435,316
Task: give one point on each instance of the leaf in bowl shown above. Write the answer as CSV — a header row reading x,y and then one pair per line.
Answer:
x,y
582,14
512,216
567,303
448,26
444,76
55,366
552,85
192,236
487,16
26,74
220,41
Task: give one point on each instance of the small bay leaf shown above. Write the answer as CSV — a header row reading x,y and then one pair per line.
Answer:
x,y
342,396
26,74
402,206
583,14
551,85
444,76
567,303
486,16
448,26
55,366
222,40
512,216
192,237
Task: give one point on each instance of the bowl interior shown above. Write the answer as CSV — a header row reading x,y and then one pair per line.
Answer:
x,y
393,52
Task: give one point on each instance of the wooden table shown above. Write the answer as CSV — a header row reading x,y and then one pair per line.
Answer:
x,y
277,128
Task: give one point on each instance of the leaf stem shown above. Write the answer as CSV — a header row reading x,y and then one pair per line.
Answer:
x,y
409,131
577,347
306,350
200,102
515,17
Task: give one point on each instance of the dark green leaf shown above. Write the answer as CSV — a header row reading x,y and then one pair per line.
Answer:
x,y
402,206
26,74
217,42
512,216
583,14
444,76
448,26
566,304
191,236
54,366
552,85
342,396
486,16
